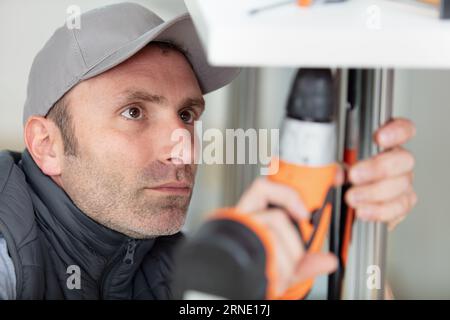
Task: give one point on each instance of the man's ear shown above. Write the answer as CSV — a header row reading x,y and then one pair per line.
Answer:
x,y
43,141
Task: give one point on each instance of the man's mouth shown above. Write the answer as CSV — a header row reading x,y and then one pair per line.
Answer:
x,y
173,187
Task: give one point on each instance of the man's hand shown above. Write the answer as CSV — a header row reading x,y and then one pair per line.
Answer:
x,y
382,185
292,263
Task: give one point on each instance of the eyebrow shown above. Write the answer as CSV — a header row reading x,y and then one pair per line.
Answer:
x,y
133,95
189,102
144,96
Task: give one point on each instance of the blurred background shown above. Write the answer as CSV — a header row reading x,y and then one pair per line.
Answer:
x,y
418,253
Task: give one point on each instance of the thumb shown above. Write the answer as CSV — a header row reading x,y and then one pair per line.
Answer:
x,y
315,264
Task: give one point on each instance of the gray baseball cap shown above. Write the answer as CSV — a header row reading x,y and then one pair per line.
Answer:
x,y
108,36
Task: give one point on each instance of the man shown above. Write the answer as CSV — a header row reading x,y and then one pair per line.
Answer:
x,y
98,195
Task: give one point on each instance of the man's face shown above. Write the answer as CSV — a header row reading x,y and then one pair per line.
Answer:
x,y
123,175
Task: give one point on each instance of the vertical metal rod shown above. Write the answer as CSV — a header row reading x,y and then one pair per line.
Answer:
x,y
371,238
245,97
334,279
343,216
380,229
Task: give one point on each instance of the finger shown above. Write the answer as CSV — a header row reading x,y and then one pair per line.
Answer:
x,y
388,211
315,264
264,192
388,295
284,267
390,163
395,133
283,259
394,223
284,230
381,191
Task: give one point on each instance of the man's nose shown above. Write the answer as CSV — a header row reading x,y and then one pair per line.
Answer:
x,y
176,142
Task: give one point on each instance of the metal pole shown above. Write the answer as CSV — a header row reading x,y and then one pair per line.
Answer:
x,y
335,279
371,238
245,97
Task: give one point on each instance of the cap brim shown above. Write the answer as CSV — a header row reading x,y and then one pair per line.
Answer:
x,y
181,32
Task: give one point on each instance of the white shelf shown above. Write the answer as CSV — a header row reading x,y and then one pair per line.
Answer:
x,y
343,35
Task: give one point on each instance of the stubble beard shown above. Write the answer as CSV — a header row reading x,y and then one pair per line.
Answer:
x,y
126,205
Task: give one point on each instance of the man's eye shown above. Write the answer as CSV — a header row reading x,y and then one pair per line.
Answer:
x,y
132,113
188,116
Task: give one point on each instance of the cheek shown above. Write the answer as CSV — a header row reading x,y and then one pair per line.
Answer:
x,y
121,151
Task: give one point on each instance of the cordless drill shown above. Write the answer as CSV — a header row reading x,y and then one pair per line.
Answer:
x,y
231,255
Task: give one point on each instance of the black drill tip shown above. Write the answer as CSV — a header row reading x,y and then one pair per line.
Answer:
x,y
312,96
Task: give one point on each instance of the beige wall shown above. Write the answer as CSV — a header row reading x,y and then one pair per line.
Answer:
x,y
419,250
